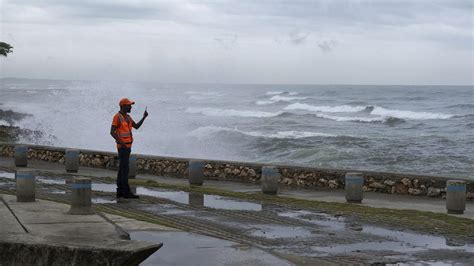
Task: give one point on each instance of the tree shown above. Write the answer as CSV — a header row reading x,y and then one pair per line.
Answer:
x,y
5,48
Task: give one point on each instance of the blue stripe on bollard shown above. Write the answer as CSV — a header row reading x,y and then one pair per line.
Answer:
x,y
23,176
196,165
267,171
354,180
81,186
456,188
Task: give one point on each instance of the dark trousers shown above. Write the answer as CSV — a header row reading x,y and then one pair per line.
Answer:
x,y
122,176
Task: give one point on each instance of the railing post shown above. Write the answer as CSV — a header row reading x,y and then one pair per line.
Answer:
x,y
270,179
21,156
455,196
196,172
354,183
81,193
72,160
25,185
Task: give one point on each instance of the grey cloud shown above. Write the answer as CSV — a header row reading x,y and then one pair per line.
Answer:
x,y
327,46
298,37
87,10
227,41
272,31
362,11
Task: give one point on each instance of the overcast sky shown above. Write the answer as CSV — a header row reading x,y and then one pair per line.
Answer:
x,y
241,41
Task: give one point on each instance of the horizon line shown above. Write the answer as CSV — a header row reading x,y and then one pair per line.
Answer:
x,y
223,83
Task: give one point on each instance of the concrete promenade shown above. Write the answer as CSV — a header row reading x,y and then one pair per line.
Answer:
x,y
371,199
41,233
205,229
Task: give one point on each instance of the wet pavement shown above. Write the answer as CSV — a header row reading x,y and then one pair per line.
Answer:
x,y
183,248
223,230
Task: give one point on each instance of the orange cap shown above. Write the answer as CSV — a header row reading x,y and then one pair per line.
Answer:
x,y
125,101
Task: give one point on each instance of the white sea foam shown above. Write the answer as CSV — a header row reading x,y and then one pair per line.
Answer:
x,y
206,131
380,111
4,123
291,93
274,92
279,98
264,102
325,109
353,118
292,134
230,112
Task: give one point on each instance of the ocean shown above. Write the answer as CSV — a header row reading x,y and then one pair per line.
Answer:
x,y
409,129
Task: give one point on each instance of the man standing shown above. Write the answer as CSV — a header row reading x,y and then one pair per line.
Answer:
x,y
121,131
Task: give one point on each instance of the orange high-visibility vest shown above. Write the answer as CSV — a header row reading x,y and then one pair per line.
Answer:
x,y
124,131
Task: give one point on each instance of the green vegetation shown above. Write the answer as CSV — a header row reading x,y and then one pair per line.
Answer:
x,y
5,48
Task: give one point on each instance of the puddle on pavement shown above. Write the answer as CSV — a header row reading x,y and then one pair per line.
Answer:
x,y
99,200
218,202
104,187
321,219
7,175
367,246
193,199
417,240
429,263
56,191
393,240
197,199
279,231
50,181
183,248
166,209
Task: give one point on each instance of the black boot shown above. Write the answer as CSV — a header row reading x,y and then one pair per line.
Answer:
x,y
120,194
130,195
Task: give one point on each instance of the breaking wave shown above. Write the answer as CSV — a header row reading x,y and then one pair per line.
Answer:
x,y
206,131
291,93
408,114
391,120
274,92
325,109
278,98
381,112
230,112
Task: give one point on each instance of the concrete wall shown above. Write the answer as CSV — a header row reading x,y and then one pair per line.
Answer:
x,y
15,252
307,177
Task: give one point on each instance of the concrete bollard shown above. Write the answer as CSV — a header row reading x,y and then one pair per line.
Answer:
x,y
132,167
81,192
270,179
195,199
72,160
196,172
21,156
354,187
455,196
25,185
